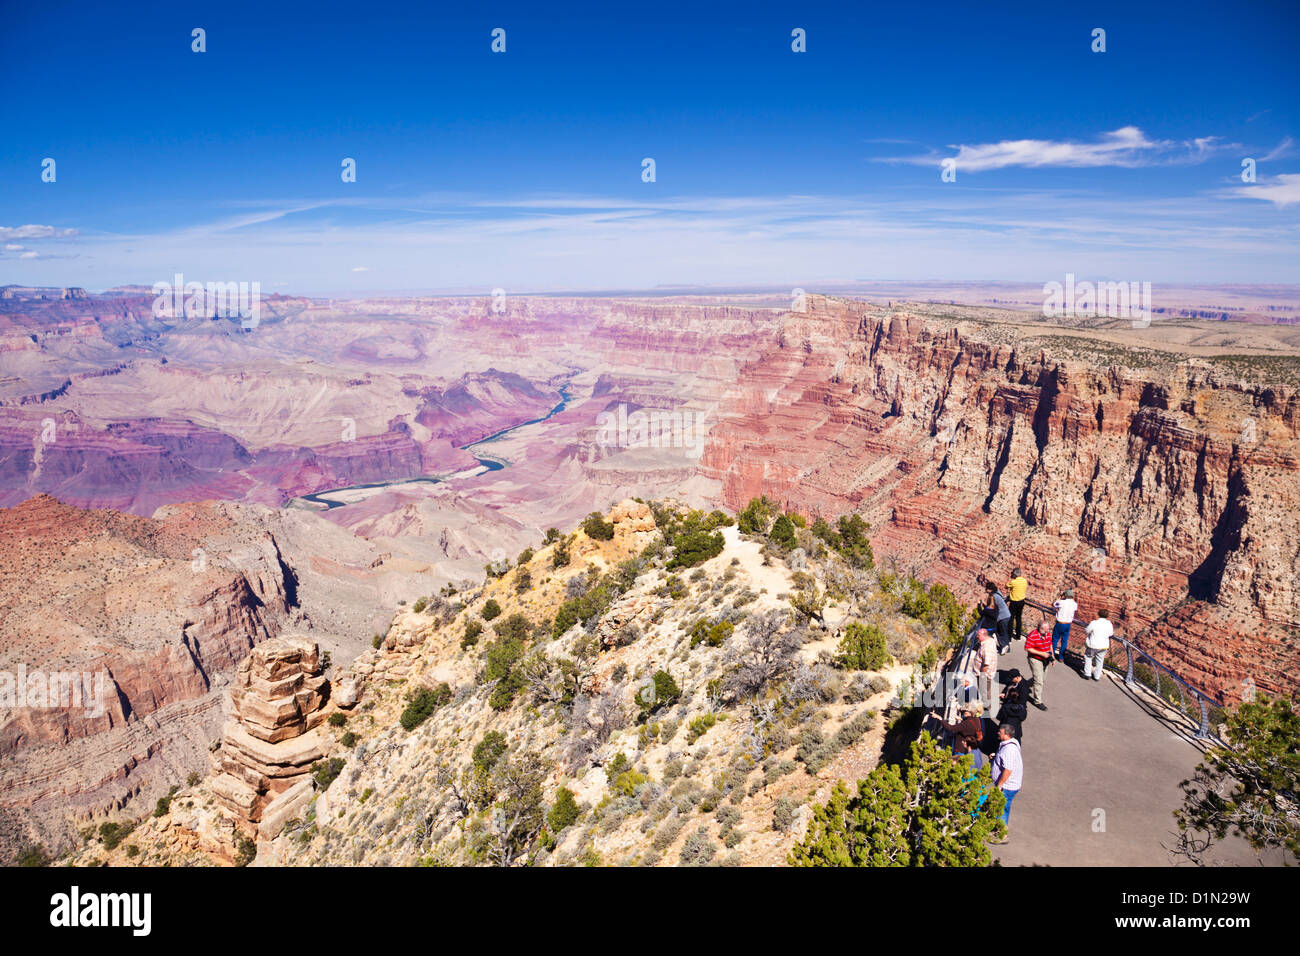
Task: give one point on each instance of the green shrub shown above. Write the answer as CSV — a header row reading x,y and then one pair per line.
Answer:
x,y
489,751
422,702
326,772
863,648
132,851
662,692
114,833
491,609
698,727
782,532
337,719
514,628
926,813
376,641
597,528
419,606
702,632
560,554
164,803
245,850
473,628
695,547
503,657
33,856
349,739
565,812
627,782
193,779
755,517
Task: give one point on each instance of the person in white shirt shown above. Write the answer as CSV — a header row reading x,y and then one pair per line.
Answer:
x,y
1096,645
1008,769
1065,608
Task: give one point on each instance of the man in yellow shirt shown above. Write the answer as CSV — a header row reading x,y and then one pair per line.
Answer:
x,y
1017,588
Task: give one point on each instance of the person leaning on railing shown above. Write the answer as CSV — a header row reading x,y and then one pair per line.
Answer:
x,y
1065,608
1100,631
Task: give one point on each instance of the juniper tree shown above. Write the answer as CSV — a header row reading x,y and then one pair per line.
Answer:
x,y
1251,788
933,811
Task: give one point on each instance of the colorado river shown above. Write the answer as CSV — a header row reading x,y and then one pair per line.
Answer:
x,y
488,463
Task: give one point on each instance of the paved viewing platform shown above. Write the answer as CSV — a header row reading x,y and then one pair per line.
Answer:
x,y
1102,770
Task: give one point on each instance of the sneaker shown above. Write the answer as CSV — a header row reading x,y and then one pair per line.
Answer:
x,y
1041,706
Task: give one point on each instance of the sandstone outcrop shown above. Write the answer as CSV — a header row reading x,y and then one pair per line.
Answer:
x,y
269,745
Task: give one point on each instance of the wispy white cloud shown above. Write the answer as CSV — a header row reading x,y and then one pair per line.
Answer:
x,y
1281,190
642,239
34,232
1126,147
1284,148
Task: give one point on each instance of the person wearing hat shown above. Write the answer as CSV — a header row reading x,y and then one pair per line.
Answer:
x,y
1017,589
967,730
1065,608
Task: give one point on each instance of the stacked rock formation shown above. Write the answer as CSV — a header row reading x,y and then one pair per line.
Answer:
x,y
267,749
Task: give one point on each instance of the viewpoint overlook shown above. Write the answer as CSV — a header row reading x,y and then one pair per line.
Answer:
x,y
621,580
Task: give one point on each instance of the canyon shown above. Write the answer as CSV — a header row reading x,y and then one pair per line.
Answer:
x,y
156,478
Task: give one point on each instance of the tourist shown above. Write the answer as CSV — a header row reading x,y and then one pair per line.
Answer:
x,y
1038,645
996,608
1065,608
986,664
1014,705
1008,767
968,731
1096,645
1017,589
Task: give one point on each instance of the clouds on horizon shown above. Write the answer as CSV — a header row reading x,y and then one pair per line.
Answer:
x,y
586,242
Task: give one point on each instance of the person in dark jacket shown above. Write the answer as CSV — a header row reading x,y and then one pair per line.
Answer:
x,y
1014,707
967,730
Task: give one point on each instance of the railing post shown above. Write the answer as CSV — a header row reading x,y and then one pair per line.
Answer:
x,y
1204,732
1128,651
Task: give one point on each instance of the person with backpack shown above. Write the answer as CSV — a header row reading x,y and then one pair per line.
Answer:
x,y
1100,631
1008,768
1038,647
996,608
1065,608
1017,590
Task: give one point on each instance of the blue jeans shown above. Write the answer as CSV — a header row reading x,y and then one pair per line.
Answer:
x,y
1060,638
1006,811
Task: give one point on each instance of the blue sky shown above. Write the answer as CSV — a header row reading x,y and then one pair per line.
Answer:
x,y
523,170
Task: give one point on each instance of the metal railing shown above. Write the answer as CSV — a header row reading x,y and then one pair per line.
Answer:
x,y
1146,672
1142,671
